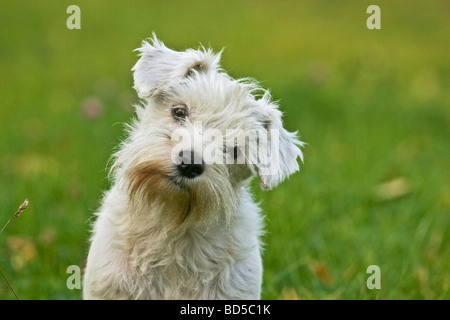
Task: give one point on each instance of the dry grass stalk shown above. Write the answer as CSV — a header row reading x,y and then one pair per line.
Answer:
x,y
22,207
9,284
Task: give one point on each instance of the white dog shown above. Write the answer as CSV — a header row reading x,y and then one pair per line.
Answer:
x,y
174,225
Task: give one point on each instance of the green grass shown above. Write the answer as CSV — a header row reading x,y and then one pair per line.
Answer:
x,y
373,106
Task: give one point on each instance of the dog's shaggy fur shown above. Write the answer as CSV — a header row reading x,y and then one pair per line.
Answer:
x,y
159,235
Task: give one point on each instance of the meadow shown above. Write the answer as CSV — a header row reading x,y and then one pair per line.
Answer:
x,y
373,107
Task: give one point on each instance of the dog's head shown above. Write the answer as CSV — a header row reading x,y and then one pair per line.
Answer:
x,y
200,135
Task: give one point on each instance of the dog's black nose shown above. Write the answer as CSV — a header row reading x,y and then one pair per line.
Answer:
x,y
190,166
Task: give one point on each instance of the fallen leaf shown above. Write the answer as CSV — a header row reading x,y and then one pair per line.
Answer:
x,y
92,108
393,189
289,293
23,251
322,272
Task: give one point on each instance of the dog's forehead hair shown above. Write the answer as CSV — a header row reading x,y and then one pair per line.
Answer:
x,y
209,95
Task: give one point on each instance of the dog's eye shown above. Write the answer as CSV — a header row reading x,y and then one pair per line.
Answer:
x,y
179,113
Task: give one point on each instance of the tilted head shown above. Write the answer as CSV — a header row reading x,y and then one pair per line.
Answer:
x,y
200,136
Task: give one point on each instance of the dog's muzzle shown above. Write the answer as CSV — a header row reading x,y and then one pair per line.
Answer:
x,y
191,166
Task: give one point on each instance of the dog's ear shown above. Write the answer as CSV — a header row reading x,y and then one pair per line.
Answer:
x,y
158,66
283,147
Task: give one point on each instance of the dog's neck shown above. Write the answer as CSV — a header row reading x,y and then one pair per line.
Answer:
x,y
148,229
141,249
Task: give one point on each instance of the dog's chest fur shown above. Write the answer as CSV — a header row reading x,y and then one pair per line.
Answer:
x,y
136,260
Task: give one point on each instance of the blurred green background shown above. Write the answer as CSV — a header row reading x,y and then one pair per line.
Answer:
x,y
373,106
